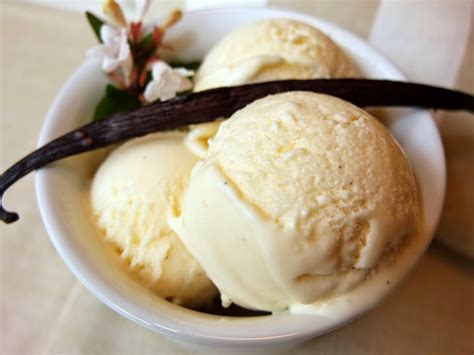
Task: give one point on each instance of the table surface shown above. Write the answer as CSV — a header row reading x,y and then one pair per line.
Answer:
x,y
44,307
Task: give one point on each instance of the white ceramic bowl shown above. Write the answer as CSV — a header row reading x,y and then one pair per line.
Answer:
x,y
62,191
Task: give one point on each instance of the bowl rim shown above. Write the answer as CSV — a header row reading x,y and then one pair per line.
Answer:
x,y
228,335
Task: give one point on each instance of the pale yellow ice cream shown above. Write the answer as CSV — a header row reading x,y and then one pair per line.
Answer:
x,y
274,49
132,193
300,197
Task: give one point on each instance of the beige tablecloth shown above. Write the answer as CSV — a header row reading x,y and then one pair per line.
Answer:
x,y
46,310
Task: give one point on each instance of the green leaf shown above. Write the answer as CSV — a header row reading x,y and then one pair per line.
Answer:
x,y
188,65
96,23
147,41
147,45
114,101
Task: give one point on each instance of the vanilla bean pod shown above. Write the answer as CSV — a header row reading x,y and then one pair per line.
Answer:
x,y
222,102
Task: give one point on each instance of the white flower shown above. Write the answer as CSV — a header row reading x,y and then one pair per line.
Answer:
x,y
114,51
167,82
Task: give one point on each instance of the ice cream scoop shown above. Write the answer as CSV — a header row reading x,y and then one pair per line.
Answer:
x,y
300,197
273,49
132,193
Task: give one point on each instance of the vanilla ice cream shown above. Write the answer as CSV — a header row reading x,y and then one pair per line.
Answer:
x,y
274,49
132,193
300,197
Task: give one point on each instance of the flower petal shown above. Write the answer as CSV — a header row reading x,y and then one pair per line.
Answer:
x,y
114,11
171,20
109,64
152,91
127,68
184,72
124,47
159,68
167,94
167,82
97,52
185,84
141,8
108,34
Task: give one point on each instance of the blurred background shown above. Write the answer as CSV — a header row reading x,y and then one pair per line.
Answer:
x,y
44,308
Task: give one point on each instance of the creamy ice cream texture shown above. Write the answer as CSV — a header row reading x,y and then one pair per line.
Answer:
x,y
132,193
300,197
274,49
